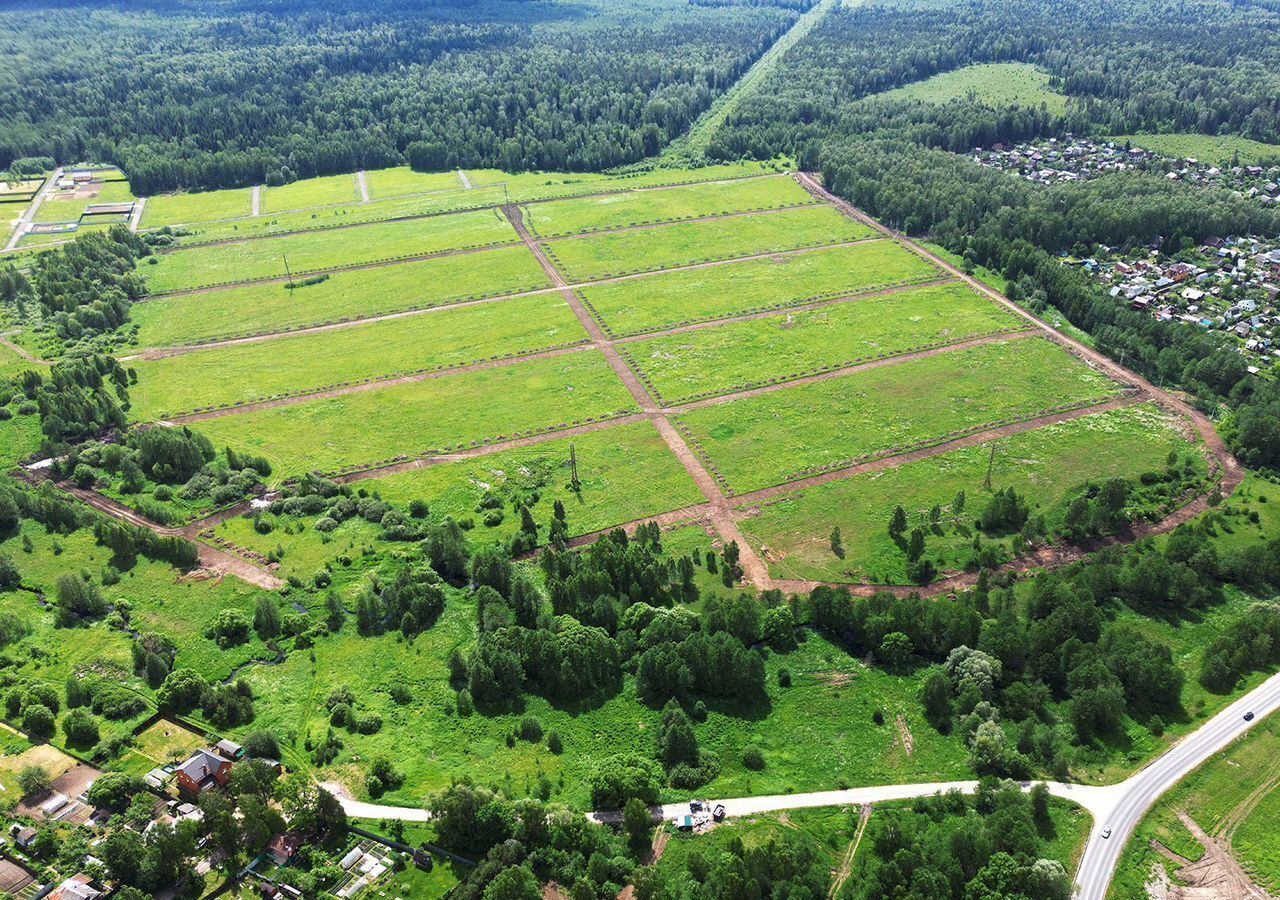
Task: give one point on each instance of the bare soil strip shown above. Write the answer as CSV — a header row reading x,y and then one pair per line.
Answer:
x,y
362,185
846,863
21,351
135,217
255,201
1217,875
466,182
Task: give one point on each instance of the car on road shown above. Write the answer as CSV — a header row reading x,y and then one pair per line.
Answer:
x,y
1248,717
718,813
1106,832
695,806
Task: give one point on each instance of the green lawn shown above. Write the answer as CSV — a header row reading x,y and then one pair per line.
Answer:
x,y
272,307
992,84
684,243
816,735
1211,149
163,743
788,345
20,437
528,186
360,430
401,180
299,364
787,434
827,831
14,363
206,206
250,260
626,473
1214,796
1043,465
70,210
578,216
667,299
324,191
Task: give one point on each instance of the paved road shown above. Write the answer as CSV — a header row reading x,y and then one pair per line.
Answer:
x,y
1118,807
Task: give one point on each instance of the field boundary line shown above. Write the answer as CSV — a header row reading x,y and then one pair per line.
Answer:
x,y
663,223
374,383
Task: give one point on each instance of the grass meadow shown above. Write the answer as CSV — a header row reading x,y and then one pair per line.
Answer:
x,y
637,305
1217,794
1207,148
993,84
626,473
401,421
401,180
817,734
580,216
1044,465
685,243
788,345
251,260
206,206
272,307
327,190
785,434
439,339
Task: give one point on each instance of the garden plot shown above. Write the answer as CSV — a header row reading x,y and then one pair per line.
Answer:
x,y
401,180
687,243
206,206
788,345
467,409
794,432
626,473
645,207
325,191
271,307
252,260
1044,465
262,370
667,299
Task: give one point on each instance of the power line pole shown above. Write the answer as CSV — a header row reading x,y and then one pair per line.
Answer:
x,y
574,484
288,272
991,464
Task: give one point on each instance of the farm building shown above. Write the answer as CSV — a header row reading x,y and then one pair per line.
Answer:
x,y
77,887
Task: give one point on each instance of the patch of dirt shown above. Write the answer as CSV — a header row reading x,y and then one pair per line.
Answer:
x,y
904,731
835,679
1215,876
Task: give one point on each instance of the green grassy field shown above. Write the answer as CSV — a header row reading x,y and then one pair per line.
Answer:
x,y
685,243
360,430
163,743
786,434
1215,796
827,831
258,259
20,437
562,217
993,84
206,206
442,339
526,186
273,307
327,190
788,345
70,210
401,180
664,300
1043,465
818,734
1212,149
626,473
13,363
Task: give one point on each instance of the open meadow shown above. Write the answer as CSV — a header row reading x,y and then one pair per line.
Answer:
x,y
299,364
634,306
272,307
648,249
994,84
254,260
205,206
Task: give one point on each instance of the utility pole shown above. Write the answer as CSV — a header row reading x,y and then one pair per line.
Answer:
x,y
574,484
991,463
288,272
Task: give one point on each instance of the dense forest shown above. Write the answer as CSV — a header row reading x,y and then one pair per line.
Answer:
x,y
1142,66
187,94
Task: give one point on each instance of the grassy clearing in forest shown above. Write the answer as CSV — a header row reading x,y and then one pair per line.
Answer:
x,y
272,307
786,434
580,216
626,473
664,300
206,206
992,84
290,365
687,243
788,345
324,191
1044,465
358,431
204,266
1222,149
1221,793
401,180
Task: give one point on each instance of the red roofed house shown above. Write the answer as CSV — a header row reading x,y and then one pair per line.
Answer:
x,y
203,770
